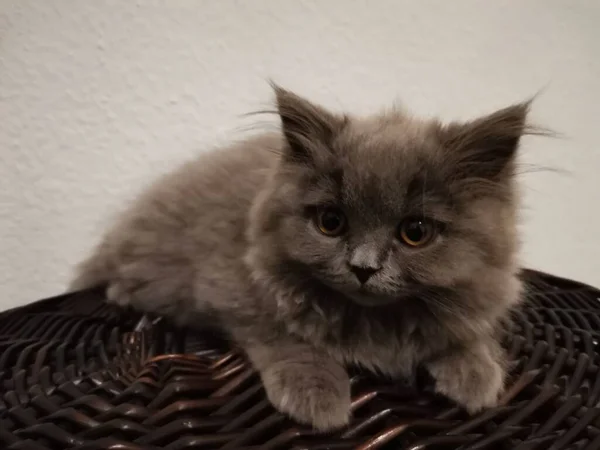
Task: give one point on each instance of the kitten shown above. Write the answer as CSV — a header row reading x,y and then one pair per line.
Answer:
x,y
387,242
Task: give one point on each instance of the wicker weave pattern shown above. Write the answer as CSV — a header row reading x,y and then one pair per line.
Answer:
x,y
78,374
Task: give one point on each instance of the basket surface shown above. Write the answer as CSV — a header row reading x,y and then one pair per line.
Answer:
x,y
76,373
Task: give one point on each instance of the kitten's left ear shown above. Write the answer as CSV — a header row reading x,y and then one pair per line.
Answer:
x,y
307,127
487,147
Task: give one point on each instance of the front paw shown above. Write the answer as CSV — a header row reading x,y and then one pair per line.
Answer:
x,y
473,380
317,396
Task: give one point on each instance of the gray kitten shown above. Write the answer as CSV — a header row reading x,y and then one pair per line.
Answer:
x,y
387,242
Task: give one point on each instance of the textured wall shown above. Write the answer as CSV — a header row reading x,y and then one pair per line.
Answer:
x,y
96,97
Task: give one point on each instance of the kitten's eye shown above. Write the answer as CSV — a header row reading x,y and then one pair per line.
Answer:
x,y
417,232
330,221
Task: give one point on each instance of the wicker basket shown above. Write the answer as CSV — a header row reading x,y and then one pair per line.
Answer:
x,y
76,373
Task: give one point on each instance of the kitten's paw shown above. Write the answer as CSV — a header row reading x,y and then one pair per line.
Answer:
x,y
475,382
317,396
144,287
119,294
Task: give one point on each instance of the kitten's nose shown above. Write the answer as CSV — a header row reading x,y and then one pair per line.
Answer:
x,y
363,273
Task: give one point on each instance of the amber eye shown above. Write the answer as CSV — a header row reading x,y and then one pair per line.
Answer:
x,y
330,221
416,232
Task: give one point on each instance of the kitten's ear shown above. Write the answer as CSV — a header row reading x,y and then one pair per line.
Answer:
x,y
308,128
487,147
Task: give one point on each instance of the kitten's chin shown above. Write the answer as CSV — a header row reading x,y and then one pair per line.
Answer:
x,y
370,300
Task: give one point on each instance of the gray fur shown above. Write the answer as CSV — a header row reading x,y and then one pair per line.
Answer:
x,y
231,233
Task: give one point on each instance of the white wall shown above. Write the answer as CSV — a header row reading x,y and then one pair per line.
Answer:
x,y
96,97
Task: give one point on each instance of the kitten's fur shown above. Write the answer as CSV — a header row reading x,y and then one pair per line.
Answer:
x,y
232,234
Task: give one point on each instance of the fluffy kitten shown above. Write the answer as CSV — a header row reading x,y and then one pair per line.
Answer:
x,y
388,242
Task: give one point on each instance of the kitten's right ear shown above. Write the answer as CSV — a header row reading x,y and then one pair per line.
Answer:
x,y
307,127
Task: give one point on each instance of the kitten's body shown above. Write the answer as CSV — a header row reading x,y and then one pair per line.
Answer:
x,y
232,234
186,235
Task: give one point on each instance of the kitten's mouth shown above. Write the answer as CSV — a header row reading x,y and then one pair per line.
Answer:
x,y
364,296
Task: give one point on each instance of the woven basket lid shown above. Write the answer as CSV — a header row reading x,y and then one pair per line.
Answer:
x,y
76,373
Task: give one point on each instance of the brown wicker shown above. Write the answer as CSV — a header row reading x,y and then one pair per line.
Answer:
x,y
78,374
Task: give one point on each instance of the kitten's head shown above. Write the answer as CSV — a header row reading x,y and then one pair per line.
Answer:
x,y
380,208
